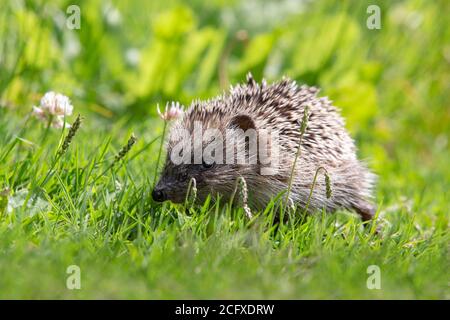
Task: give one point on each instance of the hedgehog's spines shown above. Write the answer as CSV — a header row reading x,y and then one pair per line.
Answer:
x,y
277,107
250,81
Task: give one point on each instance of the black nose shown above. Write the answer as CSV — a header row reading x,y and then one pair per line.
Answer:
x,y
159,195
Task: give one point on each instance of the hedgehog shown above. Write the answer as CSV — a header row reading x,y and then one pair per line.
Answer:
x,y
265,109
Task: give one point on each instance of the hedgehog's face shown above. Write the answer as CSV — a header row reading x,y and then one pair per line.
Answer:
x,y
195,166
210,178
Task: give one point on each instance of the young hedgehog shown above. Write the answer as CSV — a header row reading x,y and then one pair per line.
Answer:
x,y
275,108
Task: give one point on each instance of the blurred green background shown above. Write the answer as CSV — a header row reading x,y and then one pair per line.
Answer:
x,y
392,85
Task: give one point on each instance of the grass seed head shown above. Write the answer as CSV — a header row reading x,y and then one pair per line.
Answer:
x,y
126,148
69,137
191,194
328,185
243,192
304,122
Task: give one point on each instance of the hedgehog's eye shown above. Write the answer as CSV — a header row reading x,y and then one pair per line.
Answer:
x,y
207,165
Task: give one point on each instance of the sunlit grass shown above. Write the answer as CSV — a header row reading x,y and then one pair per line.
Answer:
x,y
127,247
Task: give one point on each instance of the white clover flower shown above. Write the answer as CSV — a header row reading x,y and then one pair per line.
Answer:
x,y
53,106
56,104
39,113
58,123
172,112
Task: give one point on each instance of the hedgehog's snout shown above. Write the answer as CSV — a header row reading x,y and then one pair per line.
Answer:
x,y
159,195
169,188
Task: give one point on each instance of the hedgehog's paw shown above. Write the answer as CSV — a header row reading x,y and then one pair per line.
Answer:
x,y
366,210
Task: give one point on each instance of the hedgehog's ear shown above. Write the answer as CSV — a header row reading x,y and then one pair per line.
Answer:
x,y
243,122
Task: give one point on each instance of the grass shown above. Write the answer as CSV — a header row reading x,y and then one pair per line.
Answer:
x,y
80,209
127,247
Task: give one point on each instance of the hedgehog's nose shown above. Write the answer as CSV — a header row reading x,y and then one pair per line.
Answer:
x,y
159,195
